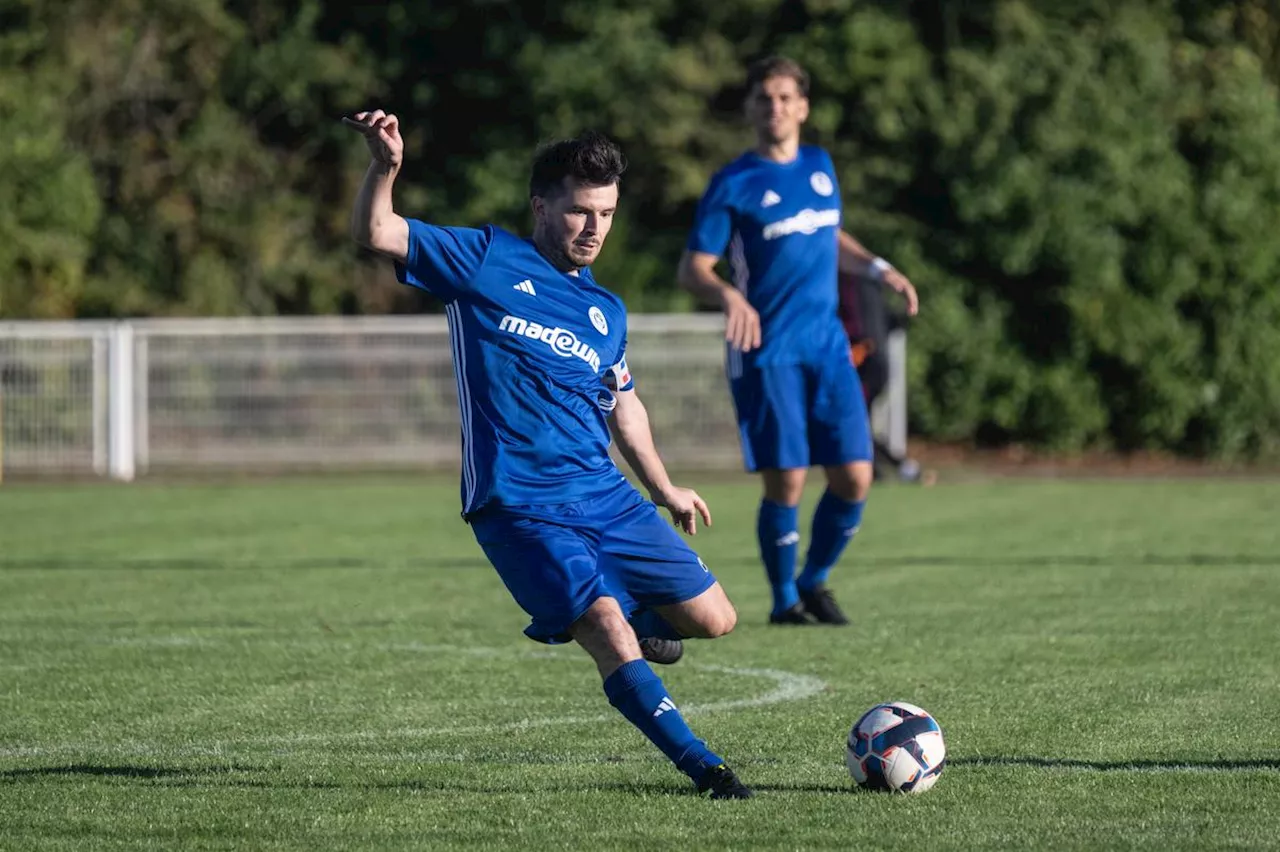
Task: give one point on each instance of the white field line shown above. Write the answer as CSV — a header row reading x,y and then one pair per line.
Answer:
x,y
786,686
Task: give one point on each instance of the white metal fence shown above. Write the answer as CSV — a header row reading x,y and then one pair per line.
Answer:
x,y
122,399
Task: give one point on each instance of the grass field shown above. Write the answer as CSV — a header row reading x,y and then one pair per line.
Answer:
x,y
330,664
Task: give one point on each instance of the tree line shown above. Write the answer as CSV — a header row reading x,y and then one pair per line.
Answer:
x,y
1087,193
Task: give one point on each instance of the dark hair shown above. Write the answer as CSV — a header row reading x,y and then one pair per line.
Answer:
x,y
777,66
591,159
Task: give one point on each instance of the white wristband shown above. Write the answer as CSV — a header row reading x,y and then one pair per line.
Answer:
x,y
879,267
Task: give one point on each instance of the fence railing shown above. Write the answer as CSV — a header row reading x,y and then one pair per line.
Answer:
x,y
123,399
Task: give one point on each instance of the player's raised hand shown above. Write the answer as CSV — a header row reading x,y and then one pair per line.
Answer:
x,y
900,284
741,322
685,506
381,133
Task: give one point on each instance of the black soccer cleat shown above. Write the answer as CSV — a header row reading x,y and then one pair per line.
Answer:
x,y
821,604
723,784
664,652
794,615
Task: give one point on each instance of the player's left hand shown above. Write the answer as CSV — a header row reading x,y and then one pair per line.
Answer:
x,y
896,280
685,506
382,134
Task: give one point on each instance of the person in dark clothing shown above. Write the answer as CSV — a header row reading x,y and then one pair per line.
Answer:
x,y
867,322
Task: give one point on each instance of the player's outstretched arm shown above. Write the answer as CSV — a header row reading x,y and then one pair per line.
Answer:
x,y
854,258
697,274
374,222
631,432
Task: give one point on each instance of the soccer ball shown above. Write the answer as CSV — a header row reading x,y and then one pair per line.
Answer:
x,y
896,746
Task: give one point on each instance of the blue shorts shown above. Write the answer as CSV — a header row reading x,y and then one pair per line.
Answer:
x,y
798,415
556,560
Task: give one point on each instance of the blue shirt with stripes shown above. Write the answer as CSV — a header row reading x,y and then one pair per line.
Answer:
x,y
537,354
778,223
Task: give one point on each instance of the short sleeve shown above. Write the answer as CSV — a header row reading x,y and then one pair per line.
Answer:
x,y
443,261
713,223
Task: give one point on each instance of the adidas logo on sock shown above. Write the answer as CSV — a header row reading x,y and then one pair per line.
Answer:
x,y
792,537
663,706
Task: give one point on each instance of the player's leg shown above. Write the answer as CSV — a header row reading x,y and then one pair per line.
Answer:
x,y
551,571
645,560
641,555
770,406
778,536
640,695
840,439
662,629
707,616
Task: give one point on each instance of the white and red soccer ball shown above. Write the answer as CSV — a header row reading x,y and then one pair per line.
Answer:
x,y
896,747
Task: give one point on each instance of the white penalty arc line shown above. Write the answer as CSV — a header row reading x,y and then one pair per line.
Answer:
x,y
787,686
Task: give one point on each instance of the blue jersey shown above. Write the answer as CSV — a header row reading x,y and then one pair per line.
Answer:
x,y
537,354
779,222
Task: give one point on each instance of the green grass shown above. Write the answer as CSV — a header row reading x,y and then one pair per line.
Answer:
x,y
331,664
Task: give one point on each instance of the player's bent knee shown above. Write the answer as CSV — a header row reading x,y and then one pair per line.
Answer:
x,y
722,622
711,625
707,616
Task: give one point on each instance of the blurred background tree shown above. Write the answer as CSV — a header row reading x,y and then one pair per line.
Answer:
x,y
1085,192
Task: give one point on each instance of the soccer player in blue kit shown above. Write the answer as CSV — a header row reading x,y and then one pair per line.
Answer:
x,y
777,210
539,354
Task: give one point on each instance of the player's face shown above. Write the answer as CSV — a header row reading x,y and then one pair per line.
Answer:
x,y
570,225
776,108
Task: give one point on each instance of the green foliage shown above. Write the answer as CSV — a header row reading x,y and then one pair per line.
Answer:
x,y
1085,192
49,205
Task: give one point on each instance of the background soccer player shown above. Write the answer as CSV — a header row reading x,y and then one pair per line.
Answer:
x,y
777,210
539,353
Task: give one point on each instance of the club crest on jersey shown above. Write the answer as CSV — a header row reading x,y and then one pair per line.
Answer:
x,y
597,319
562,341
821,183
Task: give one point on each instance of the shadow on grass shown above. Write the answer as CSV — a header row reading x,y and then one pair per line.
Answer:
x,y
251,777
140,772
1121,765
451,787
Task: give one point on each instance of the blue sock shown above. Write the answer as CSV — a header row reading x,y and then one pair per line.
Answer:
x,y
779,541
834,522
648,623
640,695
